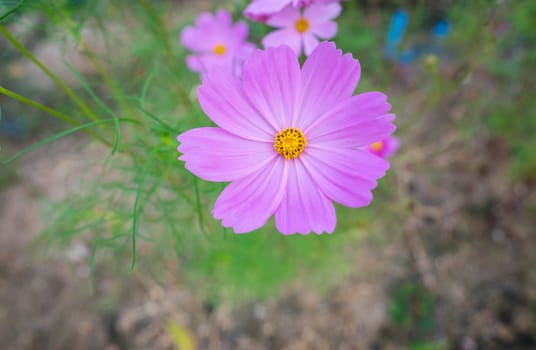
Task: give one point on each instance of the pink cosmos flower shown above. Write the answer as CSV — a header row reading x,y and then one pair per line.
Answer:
x,y
288,140
216,42
385,148
260,10
300,30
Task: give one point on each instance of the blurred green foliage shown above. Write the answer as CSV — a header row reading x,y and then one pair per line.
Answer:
x,y
412,307
439,345
511,106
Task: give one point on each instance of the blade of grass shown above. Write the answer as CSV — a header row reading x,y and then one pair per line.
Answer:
x,y
11,11
58,136
198,207
49,73
159,28
148,82
136,210
50,111
100,103
155,118
91,274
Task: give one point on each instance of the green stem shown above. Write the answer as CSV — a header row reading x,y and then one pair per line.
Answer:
x,y
107,78
51,75
160,28
161,31
50,111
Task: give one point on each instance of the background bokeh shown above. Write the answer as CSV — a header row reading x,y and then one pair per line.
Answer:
x,y
107,242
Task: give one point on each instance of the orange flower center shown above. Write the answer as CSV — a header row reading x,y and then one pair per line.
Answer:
x,y
290,143
377,146
301,25
219,50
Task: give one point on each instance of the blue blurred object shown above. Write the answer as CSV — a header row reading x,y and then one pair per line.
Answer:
x,y
399,23
395,35
441,28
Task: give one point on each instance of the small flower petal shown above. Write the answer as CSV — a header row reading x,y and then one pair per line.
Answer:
x,y
304,208
344,175
284,18
239,33
324,30
323,84
310,42
191,39
245,205
224,18
355,122
214,154
271,80
285,36
359,134
322,13
392,145
260,8
222,98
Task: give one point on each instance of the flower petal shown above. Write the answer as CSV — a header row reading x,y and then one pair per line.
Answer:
x,y
194,63
214,154
392,144
358,134
344,175
246,204
223,18
327,77
245,51
271,80
286,36
355,122
203,63
324,30
321,13
310,42
222,98
285,18
209,30
259,8
304,208
239,33
196,40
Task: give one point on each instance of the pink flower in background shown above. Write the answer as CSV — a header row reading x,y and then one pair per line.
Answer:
x,y
300,30
261,10
217,42
287,140
385,148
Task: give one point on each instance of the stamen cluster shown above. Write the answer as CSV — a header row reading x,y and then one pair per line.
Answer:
x,y
290,143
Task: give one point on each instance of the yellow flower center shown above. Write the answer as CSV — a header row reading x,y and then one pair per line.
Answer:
x,y
219,49
301,25
290,143
377,146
